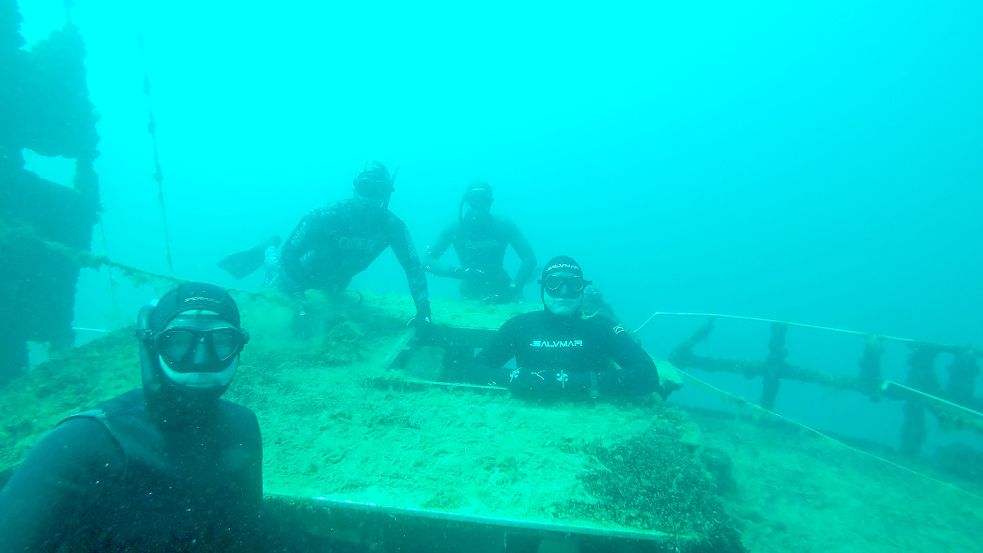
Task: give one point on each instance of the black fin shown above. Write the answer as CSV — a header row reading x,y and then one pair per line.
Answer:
x,y
245,263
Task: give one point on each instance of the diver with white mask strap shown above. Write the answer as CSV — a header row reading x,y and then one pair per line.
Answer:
x,y
199,349
190,345
171,467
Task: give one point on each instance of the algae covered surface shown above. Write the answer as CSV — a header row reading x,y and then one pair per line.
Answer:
x,y
340,424
337,423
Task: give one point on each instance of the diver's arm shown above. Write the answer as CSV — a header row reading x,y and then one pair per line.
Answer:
x,y
638,375
526,255
431,257
502,347
253,527
416,278
70,469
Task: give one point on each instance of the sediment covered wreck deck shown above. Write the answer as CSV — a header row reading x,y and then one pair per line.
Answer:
x,y
348,439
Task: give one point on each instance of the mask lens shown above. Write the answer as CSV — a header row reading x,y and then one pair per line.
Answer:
x,y
227,342
174,344
178,346
555,283
373,187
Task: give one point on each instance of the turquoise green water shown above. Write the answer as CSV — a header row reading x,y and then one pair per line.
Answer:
x,y
810,162
813,162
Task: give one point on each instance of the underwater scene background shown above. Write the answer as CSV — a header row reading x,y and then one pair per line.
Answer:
x,y
808,162
815,163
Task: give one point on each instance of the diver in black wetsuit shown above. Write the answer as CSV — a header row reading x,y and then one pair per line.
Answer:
x,y
559,353
168,468
480,240
333,244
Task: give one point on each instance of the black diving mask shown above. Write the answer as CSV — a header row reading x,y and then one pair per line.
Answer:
x,y
564,286
181,347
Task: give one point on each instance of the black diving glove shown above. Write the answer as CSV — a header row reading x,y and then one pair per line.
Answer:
x,y
631,381
546,381
423,322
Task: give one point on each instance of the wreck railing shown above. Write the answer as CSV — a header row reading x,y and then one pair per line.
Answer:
x,y
954,404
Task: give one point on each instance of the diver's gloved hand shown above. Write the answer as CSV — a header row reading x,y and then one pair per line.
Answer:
x,y
546,381
631,381
423,321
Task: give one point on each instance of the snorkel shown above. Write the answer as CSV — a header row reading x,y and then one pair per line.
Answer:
x,y
392,188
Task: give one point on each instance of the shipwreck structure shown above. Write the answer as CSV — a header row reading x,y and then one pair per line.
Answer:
x,y
45,108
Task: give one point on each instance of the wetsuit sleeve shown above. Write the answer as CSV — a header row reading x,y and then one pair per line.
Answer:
x,y
431,257
69,470
500,349
254,497
301,240
402,245
638,375
256,526
525,253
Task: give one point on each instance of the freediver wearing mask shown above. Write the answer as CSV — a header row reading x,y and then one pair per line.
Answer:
x,y
560,354
171,467
333,244
480,241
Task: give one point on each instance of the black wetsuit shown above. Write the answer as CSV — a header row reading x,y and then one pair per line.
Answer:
x,y
333,244
568,357
114,479
481,245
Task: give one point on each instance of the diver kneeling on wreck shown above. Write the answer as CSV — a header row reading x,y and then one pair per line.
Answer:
x,y
560,354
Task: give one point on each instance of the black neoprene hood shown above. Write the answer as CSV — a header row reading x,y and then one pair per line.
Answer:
x,y
193,295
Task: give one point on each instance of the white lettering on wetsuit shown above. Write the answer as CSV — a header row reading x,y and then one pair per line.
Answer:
x,y
557,343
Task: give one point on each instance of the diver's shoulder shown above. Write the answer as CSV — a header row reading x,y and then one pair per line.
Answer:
x,y
236,409
348,204
325,212
502,221
602,322
125,404
392,221
239,417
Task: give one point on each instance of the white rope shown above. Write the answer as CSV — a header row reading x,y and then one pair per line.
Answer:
x,y
763,320
92,330
742,401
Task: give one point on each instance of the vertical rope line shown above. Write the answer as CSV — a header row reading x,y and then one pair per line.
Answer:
x,y
152,130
